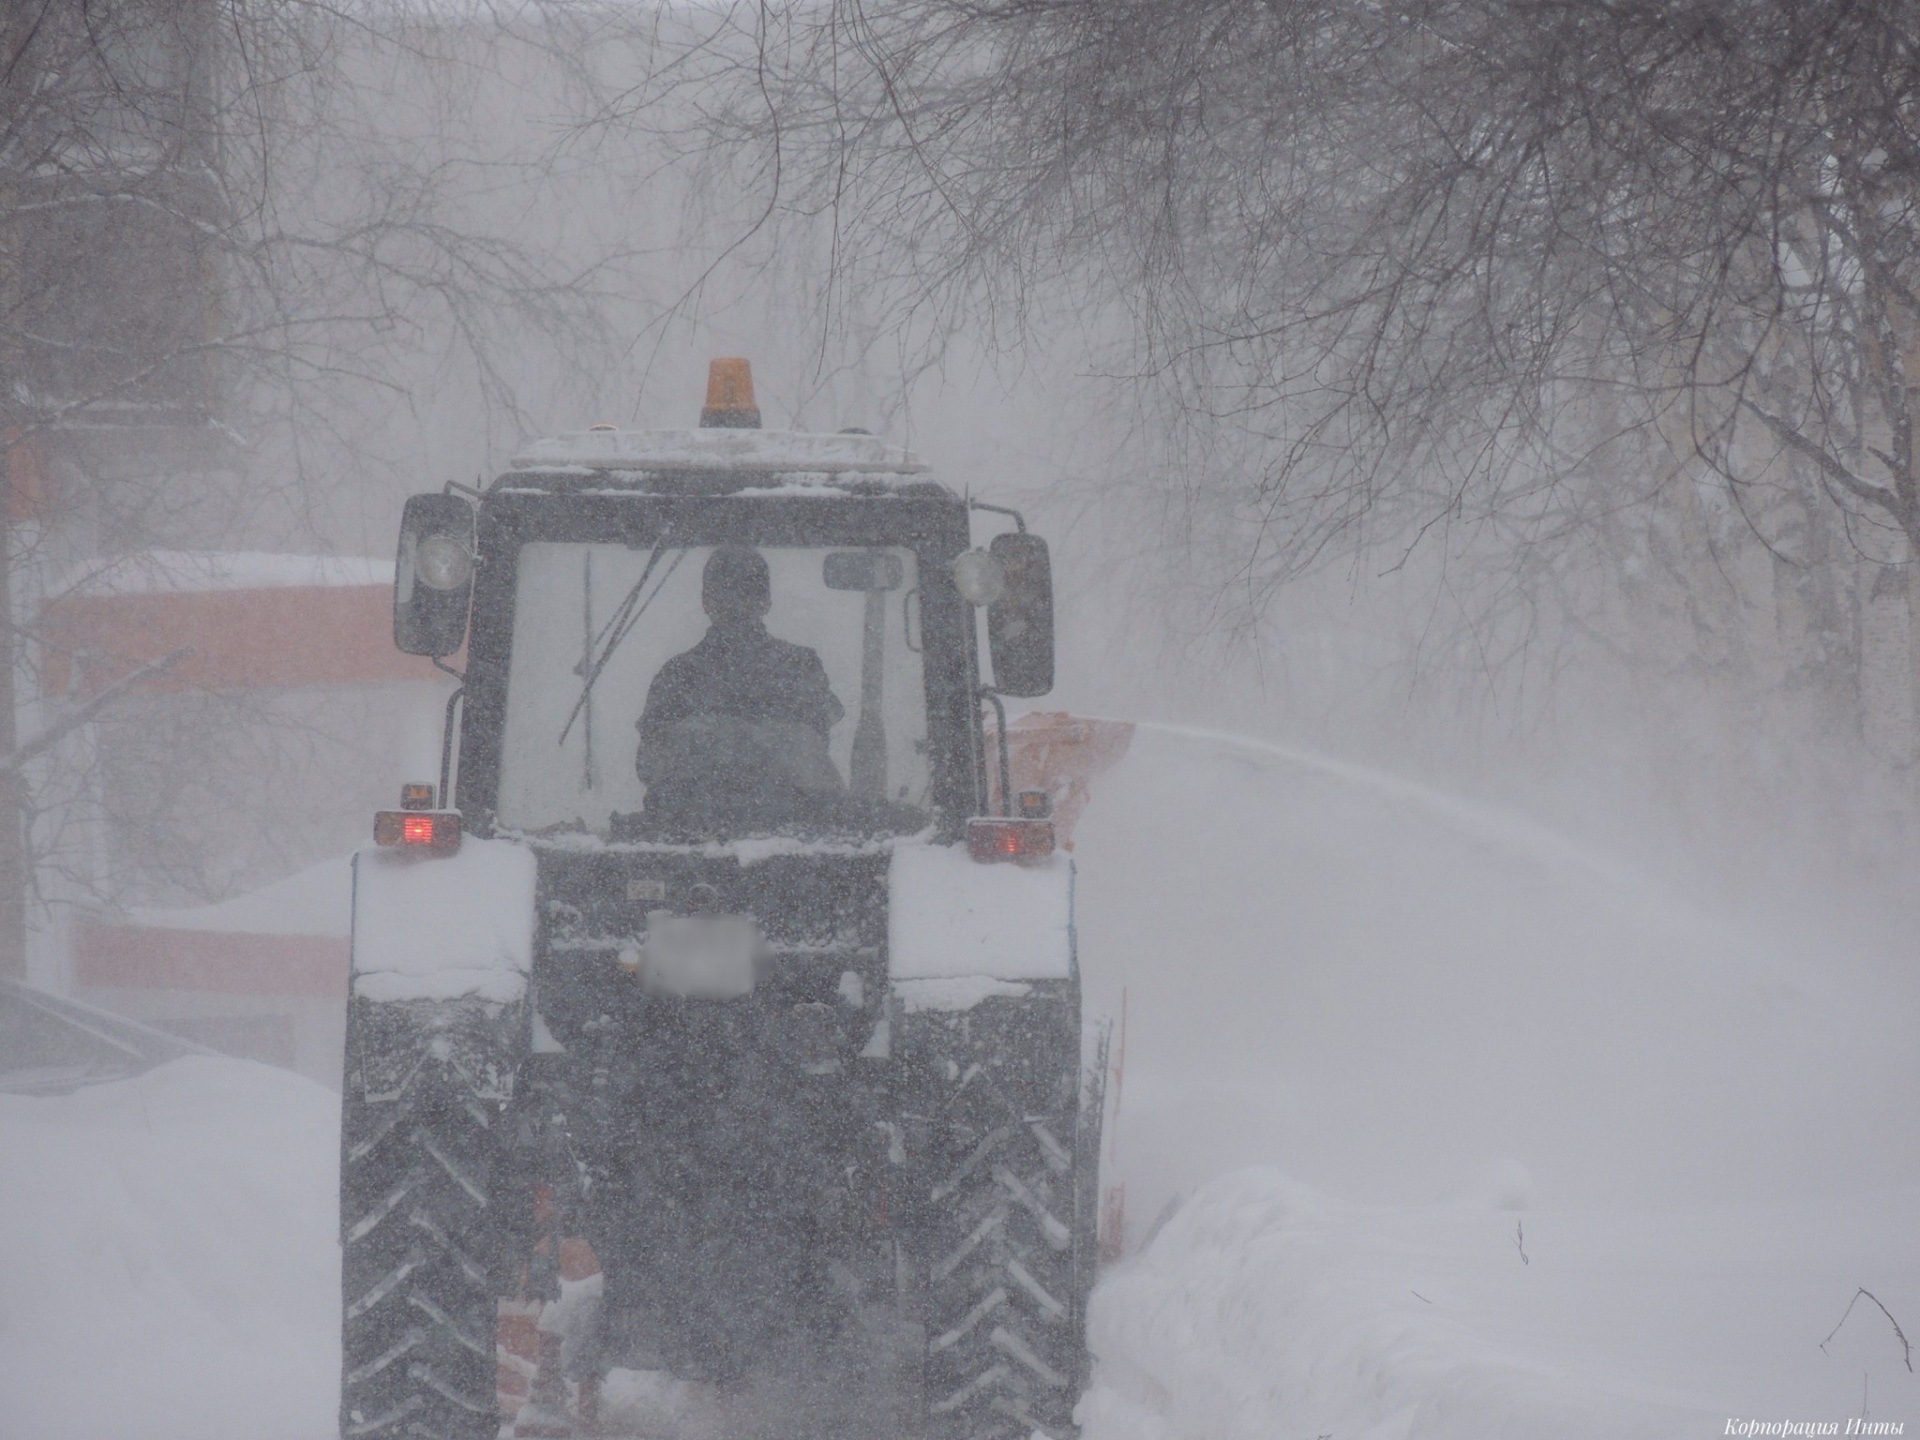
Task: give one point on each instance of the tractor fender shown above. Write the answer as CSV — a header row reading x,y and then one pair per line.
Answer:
x,y
443,927
957,927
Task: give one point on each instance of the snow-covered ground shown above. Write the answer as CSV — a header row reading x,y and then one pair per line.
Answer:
x,y
167,1259
1450,1130
1264,1308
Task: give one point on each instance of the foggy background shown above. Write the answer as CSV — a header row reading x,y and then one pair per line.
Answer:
x,y
1476,448
273,268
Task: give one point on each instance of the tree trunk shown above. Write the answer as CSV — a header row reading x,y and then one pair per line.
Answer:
x,y
13,849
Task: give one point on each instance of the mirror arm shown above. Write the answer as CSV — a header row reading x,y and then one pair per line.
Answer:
x,y
446,746
992,696
447,669
1018,519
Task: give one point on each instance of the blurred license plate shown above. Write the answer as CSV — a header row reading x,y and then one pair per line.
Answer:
x,y
699,957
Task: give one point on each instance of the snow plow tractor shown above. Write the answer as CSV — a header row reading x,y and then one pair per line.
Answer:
x,y
714,1055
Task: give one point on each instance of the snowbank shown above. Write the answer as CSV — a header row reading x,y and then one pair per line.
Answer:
x,y
168,1269
315,901
1264,1309
1458,1036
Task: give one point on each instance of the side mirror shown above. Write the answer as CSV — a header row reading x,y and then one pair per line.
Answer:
x,y
433,575
1020,620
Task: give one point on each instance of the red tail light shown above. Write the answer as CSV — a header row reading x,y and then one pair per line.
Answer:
x,y
998,838
435,831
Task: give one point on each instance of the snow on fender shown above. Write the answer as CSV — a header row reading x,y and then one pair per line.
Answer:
x,y
959,930
431,927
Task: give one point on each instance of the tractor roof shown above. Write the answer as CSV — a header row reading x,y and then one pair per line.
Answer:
x,y
719,461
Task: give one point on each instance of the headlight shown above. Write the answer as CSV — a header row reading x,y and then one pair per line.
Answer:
x,y
442,563
979,577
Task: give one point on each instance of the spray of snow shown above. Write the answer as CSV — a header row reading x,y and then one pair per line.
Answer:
x,y
1558,1153
1383,991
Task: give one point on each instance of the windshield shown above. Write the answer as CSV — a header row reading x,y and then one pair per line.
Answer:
x,y
697,692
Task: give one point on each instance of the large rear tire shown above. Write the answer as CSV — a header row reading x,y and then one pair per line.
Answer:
x,y
1005,1262
425,1101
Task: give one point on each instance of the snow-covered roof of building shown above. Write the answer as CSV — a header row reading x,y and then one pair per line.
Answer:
x,y
758,452
175,572
315,901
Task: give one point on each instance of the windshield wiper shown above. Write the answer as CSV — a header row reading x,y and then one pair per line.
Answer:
x,y
619,626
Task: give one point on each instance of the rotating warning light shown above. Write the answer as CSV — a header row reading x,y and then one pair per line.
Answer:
x,y
730,396
1033,805
416,795
437,832
1000,838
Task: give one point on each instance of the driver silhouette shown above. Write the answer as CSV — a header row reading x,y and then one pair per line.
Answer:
x,y
735,729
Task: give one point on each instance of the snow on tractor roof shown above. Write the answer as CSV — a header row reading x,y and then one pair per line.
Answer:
x,y
720,451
